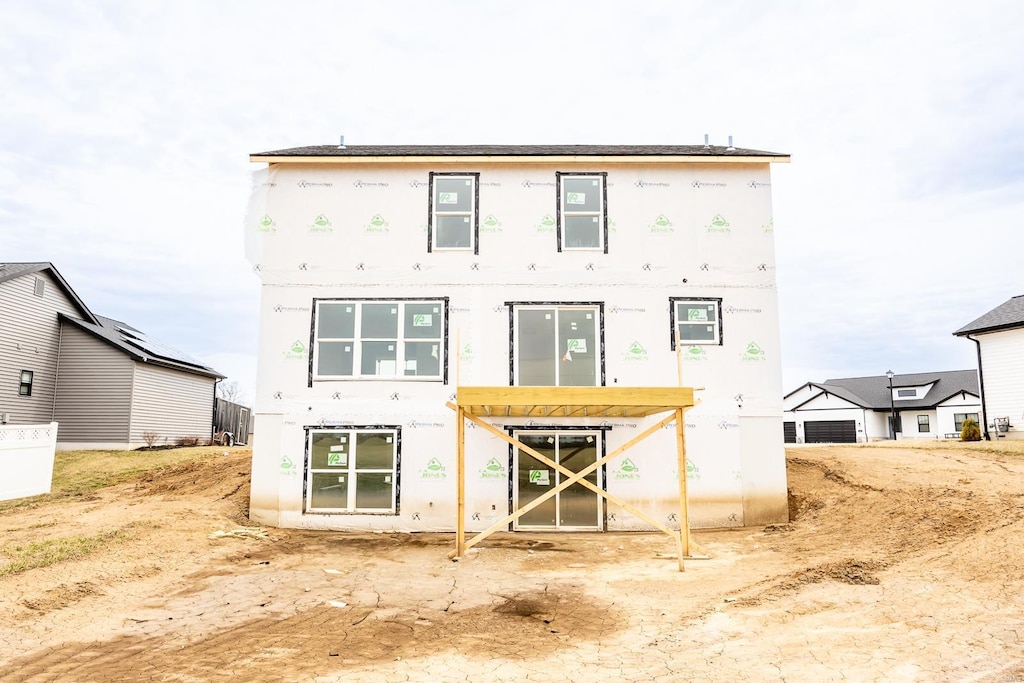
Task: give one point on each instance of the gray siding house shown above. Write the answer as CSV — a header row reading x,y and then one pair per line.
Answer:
x,y
105,382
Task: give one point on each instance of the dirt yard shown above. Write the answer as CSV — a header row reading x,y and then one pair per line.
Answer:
x,y
899,564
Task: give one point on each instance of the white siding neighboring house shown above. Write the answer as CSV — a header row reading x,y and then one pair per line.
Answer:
x,y
392,276
927,405
104,382
999,338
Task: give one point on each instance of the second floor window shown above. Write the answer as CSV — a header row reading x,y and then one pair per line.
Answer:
x,y
379,339
454,218
582,214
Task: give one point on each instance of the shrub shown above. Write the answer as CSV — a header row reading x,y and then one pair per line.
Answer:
x,y
150,438
187,441
971,430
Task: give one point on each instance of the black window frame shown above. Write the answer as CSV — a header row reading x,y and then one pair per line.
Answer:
x,y
314,341
602,214
474,213
25,385
923,426
958,425
308,470
673,302
906,393
513,306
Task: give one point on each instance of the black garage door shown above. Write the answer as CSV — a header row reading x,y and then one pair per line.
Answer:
x,y
830,431
789,432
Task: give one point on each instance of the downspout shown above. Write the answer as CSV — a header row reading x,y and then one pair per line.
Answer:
x,y
981,388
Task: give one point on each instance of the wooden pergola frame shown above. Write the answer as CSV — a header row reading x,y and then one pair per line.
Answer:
x,y
477,404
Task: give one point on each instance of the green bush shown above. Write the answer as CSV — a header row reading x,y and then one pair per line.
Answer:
x,y
971,431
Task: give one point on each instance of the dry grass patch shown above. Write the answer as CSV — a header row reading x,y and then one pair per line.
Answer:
x,y
51,551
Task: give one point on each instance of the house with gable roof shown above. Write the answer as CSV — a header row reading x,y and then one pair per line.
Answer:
x,y
103,381
399,280
926,405
998,336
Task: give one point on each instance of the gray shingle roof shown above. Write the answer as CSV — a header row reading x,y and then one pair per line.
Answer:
x,y
873,392
9,271
148,351
514,150
1005,316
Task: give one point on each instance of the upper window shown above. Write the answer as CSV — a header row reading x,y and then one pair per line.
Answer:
x,y
582,211
696,320
25,388
454,219
923,423
352,470
40,287
906,393
372,339
557,345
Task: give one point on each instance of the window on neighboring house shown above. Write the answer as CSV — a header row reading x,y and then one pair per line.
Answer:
x,y
371,339
582,211
958,420
25,388
696,320
40,286
922,423
557,345
353,469
454,219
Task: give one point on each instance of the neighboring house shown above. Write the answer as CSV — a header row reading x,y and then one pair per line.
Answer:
x,y
999,338
394,275
927,405
104,382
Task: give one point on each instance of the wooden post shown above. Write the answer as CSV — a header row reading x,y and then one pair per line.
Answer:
x,y
684,506
460,469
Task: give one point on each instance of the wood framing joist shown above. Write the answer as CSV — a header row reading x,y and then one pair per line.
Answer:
x,y
476,403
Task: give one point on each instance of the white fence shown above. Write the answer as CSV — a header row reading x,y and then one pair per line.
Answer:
x,y
26,459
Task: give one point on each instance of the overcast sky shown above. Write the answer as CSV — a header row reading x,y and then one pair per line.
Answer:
x,y
125,130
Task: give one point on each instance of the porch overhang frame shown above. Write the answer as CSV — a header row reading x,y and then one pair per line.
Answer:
x,y
478,404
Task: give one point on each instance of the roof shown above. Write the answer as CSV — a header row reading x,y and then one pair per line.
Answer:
x,y
873,392
9,271
505,152
1005,316
140,346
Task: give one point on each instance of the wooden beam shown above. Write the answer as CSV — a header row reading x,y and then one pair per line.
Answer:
x,y
662,398
684,505
460,473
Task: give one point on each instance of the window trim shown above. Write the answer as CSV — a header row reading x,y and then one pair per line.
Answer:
x,y
602,212
905,393
673,302
926,424
512,336
314,354
307,470
25,386
474,214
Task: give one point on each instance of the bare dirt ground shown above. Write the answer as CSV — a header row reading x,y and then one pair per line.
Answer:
x,y
899,564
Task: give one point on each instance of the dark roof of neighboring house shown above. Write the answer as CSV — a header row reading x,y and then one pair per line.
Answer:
x,y
1005,316
9,271
141,347
514,151
873,392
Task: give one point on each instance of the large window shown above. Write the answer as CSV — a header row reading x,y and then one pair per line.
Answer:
x,y
923,423
557,345
371,339
454,219
25,387
353,469
582,211
958,420
696,320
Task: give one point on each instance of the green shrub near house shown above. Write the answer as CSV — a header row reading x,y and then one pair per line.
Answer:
x,y
971,430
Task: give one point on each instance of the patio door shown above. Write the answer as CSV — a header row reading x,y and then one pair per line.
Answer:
x,y
576,508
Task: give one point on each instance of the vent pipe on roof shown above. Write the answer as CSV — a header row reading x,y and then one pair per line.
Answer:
x,y
730,148
706,145
341,144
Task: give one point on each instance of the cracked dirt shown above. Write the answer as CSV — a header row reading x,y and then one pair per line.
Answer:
x,y
898,564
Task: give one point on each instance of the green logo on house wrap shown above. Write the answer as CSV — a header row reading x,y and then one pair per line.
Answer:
x,y
297,351
627,470
433,470
635,353
718,225
661,224
266,224
694,354
493,470
546,224
321,224
692,471
288,468
491,224
753,353
377,223
769,227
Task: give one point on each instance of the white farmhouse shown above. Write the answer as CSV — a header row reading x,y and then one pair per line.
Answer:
x,y
999,338
395,279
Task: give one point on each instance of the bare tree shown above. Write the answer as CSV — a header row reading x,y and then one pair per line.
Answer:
x,y
229,391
